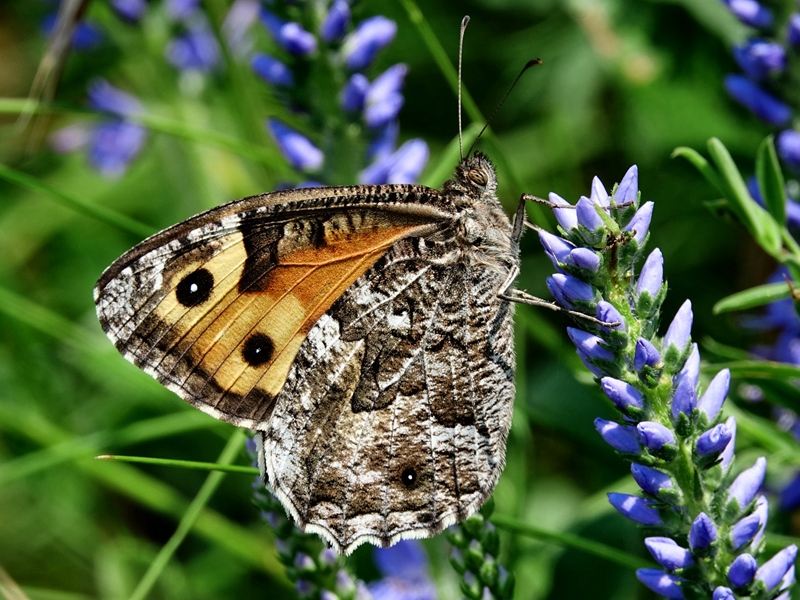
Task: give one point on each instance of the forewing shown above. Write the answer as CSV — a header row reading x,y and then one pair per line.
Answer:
x,y
394,418
217,307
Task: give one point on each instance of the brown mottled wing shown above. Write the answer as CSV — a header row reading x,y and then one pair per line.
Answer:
x,y
394,417
216,308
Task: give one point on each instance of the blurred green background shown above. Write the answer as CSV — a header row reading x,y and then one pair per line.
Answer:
x,y
622,82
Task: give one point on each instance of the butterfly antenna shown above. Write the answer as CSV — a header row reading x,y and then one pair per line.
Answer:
x,y
464,23
528,65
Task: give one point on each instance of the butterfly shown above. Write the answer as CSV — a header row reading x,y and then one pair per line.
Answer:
x,y
365,334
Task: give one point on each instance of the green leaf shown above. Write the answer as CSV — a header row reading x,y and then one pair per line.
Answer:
x,y
770,180
701,164
757,296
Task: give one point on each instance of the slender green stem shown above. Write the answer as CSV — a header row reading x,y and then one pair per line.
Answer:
x,y
183,464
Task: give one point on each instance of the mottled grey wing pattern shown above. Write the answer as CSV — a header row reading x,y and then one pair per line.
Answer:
x,y
394,418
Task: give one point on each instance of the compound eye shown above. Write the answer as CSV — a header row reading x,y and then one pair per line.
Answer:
x,y
478,176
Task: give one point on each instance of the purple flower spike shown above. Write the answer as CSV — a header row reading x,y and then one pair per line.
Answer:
x,y
772,572
402,166
742,570
197,50
788,146
652,276
585,258
272,70
691,368
572,289
661,583
628,189
622,394
355,93
714,440
654,436
750,13
384,100
650,480
599,194
590,345
640,223
130,10
361,46
727,454
793,33
645,354
336,21
764,105
760,59
567,217
105,97
587,214
296,147
622,439
744,531
745,487
113,145
723,593
684,400
714,396
668,553
702,533
635,509
557,248
680,329
608,314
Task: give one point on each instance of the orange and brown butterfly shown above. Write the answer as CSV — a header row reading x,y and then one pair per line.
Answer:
x,y
363,332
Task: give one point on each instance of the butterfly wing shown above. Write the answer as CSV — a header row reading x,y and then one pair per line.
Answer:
x,y
217,307
394,417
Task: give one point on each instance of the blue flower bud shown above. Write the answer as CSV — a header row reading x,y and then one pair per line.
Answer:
x,y
557,248
608,314
621,438
362,45
296,147
684,400
661,583
714,440
742,570
384,100
336,21
690,370
727,455
787,143
622,394
652,276
645,354
760,59
711,400
654,436
105,97
772,572
680,329
650,480
793,33
113,145
746,485
744,531
567,217
272,70
180,10
131,11
385,139
764,105
750,13
587,214
668,553
303,587
572,289
328,557
196,50
599,195
303,561
590,345
702,533
589,364
628,189
354,92
585,258
86,36
291,36
723,593
762,512
635,508
402,166
640,223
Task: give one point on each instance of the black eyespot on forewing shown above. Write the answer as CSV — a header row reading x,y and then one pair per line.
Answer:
x,y
258,350
195,288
